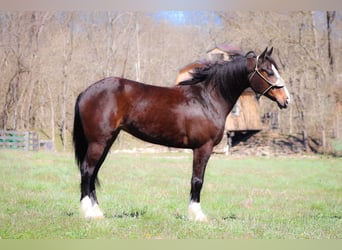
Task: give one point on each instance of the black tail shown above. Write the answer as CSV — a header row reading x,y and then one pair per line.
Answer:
x,y
80,142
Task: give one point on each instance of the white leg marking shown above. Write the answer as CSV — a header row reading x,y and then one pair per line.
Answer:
x,y
195,212
86,207
90,211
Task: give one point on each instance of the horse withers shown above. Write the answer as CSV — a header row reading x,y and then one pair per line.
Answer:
x,y
190,115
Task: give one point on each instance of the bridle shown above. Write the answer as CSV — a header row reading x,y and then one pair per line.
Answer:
x,y
272,85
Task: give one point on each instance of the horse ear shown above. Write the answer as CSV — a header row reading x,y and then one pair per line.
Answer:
x,y
263,54
270,51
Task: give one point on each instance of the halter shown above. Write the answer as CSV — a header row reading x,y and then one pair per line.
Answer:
x,y
272,85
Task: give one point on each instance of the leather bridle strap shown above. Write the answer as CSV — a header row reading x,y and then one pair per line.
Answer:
x,y
272,85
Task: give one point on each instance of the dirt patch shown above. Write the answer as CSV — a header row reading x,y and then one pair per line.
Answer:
x,y
273,144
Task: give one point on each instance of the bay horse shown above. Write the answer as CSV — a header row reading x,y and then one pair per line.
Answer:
x,y
189,115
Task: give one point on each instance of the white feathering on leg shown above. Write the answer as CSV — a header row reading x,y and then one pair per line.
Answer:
x,y
90,211
86,207
195,212
97,211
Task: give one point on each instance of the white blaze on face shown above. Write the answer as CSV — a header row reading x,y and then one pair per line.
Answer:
x,y
280,82
288,95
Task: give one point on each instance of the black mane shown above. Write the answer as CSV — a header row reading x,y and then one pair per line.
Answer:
x,y
219,71
221,74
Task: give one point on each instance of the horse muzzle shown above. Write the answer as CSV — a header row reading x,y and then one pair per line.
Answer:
x,y
283,104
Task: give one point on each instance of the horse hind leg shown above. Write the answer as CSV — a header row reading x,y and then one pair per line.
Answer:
x,y
89,169
94,158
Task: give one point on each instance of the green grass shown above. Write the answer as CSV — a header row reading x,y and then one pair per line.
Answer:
x,y
144,196
337,145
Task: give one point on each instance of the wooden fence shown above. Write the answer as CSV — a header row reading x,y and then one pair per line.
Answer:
x,y
19,140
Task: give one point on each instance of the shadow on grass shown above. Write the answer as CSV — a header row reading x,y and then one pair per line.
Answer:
x,y
230,217
134,213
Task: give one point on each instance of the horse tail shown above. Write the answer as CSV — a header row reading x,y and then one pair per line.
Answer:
x,y
79,139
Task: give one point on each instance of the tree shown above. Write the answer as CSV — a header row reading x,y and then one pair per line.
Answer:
x,y
330,18
68,48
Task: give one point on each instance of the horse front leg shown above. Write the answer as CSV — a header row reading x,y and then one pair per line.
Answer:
x,y
200,159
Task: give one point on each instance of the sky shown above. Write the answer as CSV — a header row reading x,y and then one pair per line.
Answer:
x,y
187,17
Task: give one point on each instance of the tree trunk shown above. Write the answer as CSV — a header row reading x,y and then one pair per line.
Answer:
x,y
68,50
137,66
330,18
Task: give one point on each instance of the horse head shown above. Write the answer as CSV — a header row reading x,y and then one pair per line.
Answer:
x,y
265,79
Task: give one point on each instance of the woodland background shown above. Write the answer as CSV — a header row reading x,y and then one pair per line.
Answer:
x,y
48,58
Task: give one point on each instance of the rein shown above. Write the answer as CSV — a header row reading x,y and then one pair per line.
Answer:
x,y
272,85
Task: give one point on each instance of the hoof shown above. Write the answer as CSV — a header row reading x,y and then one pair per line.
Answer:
x,y
97,213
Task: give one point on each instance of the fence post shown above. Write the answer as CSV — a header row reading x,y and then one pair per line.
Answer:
x,y
35,141
27,141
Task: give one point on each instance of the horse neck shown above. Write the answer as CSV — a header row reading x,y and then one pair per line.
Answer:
x,y
233,88
236,92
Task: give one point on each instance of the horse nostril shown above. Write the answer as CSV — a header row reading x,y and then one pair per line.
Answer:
x,y
287,101
286,104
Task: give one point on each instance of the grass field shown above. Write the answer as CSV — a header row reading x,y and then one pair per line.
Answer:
x,y
144,196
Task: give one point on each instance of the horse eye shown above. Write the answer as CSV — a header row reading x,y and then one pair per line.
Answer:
x,y
269,72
